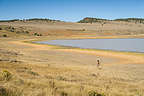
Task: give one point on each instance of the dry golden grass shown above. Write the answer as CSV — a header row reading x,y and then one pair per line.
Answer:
x,y
44,70
110,28
49,71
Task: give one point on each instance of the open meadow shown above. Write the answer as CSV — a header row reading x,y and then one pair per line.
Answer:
x,y
29,69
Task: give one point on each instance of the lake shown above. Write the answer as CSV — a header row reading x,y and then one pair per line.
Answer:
x,y
132,45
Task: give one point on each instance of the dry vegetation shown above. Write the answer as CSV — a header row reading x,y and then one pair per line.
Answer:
x,y
40,70
103,28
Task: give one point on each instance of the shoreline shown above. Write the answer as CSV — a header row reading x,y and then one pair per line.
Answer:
x,y
137,56
72,47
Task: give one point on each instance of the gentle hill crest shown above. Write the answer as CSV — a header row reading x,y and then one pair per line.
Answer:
x,y
136,20
94,20
84,20
91,20
32,19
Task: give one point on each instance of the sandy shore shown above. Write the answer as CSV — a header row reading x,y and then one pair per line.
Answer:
x,y
123,57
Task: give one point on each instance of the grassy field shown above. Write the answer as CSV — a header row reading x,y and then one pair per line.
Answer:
x,y
28,69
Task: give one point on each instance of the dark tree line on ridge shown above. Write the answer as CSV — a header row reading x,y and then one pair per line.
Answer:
x,y
85,20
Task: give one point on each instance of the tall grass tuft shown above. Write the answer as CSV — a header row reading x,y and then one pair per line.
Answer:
x,y
6,75
10,92
94,93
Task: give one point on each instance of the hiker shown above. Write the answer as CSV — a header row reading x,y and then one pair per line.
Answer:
x,y
98,62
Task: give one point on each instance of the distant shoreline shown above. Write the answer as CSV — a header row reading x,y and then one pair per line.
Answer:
x,y
112,53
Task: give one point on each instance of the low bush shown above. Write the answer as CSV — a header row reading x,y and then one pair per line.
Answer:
x,y
10,91
94,93
5,35
27,32
61,78
36,34
83,30
63,93
6,75
40,34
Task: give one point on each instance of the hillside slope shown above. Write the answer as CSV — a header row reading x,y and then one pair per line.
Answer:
x,y
100,20
100,27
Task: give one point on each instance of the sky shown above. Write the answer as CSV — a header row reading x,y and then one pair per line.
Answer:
x,y
71,10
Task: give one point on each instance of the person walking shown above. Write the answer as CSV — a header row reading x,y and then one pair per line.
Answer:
x,y
98,62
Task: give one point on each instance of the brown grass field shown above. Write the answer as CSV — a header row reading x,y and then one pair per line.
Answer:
x,y
28,69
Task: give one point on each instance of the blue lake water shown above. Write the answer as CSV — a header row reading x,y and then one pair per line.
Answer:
x,y
132,45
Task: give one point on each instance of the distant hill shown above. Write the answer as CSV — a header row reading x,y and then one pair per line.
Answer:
x,y
9,20
85,20
91,20
136,20
39,19
33,19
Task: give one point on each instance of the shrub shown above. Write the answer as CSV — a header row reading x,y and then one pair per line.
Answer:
x,y
6,75
4,35
83,29
63,93
12,28
94,93
27,32
38,35
2,91
0,28
35,34
61,78
10,91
